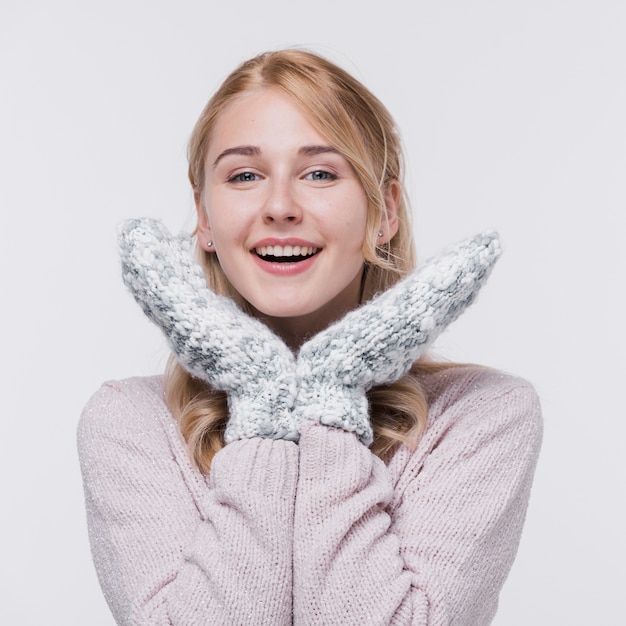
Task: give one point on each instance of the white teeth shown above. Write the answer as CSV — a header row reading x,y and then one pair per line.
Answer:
x,y
285,250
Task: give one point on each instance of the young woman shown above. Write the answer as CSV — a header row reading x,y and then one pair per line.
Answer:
x,y
302,461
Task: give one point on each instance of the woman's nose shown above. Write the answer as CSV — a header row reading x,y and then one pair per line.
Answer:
x,y
281,204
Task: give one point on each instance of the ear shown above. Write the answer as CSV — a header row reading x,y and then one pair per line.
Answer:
x,y
204,228
389,224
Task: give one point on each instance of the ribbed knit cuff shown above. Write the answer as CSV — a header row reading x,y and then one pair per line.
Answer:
x,y
333,454
257,472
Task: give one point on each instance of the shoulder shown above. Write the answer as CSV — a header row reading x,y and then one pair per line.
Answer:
x,y
474,410
481,422
125,409
480,394
128,436
139,394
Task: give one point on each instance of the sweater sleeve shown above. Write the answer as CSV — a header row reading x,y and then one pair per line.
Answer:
x,y
171,547
431,544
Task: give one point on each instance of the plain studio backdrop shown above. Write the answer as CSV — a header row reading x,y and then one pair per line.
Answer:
x,y
513,117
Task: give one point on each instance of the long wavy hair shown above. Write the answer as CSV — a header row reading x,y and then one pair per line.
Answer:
x,y
360,128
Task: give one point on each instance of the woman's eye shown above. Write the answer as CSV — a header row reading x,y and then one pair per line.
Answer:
x,y
320,175
243,177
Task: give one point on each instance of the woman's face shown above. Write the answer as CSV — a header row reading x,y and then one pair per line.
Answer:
x,y
285,212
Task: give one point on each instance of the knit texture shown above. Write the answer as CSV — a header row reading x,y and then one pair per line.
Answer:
x,y
321,533
211,337
269,393
377,343
174,547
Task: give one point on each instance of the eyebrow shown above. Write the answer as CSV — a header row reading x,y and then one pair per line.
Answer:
x,y
244,150
313,150
256,151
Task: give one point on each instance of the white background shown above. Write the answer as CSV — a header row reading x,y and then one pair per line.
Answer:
x,y
513,115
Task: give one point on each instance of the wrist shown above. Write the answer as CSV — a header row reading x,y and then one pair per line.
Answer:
x,y
257,416
335,405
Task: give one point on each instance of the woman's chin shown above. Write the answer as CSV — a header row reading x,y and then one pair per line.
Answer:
x,y
285,312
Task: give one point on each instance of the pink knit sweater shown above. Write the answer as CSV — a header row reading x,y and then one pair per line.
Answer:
x,y
321,532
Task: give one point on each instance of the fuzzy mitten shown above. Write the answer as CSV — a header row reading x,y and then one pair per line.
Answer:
x,y
377,343
213,339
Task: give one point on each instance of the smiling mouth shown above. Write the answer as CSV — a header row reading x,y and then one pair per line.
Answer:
x,y
285,254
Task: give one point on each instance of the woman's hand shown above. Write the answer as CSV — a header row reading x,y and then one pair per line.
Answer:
x,y
377,343
212,338
268,391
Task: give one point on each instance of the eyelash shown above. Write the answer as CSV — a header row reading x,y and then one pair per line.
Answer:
x,y
249,177
327,175
239,178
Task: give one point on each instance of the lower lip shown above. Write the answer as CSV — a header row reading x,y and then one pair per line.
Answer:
x,y
285,269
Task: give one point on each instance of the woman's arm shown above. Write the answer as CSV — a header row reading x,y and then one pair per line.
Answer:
x,y
436,551
169,547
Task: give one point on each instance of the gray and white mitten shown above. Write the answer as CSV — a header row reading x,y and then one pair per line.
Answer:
x,y
377,343
212,338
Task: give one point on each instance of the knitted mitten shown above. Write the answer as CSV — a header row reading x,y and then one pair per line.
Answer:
x,y
212,338
377,343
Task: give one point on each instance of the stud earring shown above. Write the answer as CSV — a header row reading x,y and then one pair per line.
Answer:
x,y
209,244
380,233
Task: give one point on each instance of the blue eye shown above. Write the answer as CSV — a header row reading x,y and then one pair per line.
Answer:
x,y
243,177
320,175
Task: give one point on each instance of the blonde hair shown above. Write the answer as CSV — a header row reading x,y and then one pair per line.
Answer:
x,y
357,124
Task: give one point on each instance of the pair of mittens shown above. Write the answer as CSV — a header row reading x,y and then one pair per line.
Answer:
x,y
270,392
